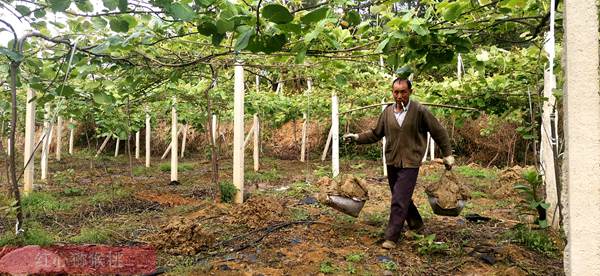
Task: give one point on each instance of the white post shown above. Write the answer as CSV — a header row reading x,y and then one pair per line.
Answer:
x,y
431,147
148,132
137,144
459,67
102,146
117,147
335,133
214,128
238,133
256,142
174,141
168,150
327,143
71,135
28,174
248,135
305,125
184,139
257,83
582,129
59,128
47,138
383,141
426,148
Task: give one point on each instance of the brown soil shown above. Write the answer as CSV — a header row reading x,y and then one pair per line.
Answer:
x,y
258,212
508,178
182,236
348,186
448,190
165,199
285,142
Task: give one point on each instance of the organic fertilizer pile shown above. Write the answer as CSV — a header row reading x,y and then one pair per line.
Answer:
x,y
348,186
182,236
448,190
259,212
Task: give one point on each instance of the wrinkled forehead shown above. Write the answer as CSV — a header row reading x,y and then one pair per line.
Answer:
x,y
400,86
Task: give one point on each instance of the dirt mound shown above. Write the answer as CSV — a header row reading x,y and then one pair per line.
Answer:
x,y
165,199
182,236
448,190
286,141
258,212
348,186
506,182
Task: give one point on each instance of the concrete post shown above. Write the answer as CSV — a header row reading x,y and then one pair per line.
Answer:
x,y
71,135
137,144
335,136
582,132
28,159
46,143
238,133
148,132
256,142
174,135
59,129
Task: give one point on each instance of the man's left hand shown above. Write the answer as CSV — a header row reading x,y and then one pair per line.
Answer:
x,y
448,162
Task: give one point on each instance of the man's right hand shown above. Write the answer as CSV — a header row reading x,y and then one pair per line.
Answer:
x,y
350,136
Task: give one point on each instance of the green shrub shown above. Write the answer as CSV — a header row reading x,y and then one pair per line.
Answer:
x,y
265,176
537,240
228,191
355,257
72,192
327,267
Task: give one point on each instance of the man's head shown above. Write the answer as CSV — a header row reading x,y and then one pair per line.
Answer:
x,y
401,90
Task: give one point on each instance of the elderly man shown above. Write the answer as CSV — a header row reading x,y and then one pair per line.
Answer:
x,y
405,125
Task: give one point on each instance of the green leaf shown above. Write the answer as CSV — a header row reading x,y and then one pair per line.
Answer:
x,y
119,25
84,5
123,5
101,48
183,12
102,98
419,29
515,4
453,11
277,14
59,5
290,28
39,13
204,3
207,28
65,91
242,41
224,26
23,10
382,45
14,56
110,4
217,38
98,22
545,205
341,80
543,223
315,16
274,43
353,18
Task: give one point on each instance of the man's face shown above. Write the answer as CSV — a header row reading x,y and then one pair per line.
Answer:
x,y
401,92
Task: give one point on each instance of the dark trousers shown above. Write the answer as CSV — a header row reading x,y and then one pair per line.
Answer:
x,y
402,184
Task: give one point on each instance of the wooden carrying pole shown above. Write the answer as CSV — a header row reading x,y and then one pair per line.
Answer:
x,y
238,133
383,142
28,160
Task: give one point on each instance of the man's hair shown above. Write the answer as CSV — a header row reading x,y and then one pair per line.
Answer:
x,y
400,79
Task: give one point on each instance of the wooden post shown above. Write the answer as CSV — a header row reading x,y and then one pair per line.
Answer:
x,y
383,142
238,133
28,151
137,144
117,147
327,143
184,139
71,135
59,129
335,133
256,142
46,145
174,141
148,132
102,146
582,129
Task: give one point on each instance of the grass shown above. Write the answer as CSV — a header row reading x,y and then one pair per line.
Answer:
x,y
355,257
228,191
481,173
478,194
91,235
537,240
40,203
431,177
265,176
108,195
143,171
299,214
34,234
389,265
181,167
301,189
327,267
377,219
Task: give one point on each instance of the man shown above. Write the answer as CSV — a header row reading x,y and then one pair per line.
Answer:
x,y
405,125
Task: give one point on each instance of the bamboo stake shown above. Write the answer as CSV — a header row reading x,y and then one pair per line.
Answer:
x,y
184,139
170,145
29,163
102,146
247,139
71,135
238,133
174,136
383,142
256,142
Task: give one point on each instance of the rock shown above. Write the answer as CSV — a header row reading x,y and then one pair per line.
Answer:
x,y
382,259
309,200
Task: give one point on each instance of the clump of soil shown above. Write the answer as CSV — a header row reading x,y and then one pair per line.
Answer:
x,y
448,190
348,186
508,178
258,212
182,236
165,198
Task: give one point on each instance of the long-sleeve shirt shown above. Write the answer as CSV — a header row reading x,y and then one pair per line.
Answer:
x,y
406,144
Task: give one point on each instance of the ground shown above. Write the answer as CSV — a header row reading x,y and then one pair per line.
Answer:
x,y
281,229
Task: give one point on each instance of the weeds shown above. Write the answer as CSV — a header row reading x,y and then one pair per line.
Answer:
x,y
34,234
91,236
426,245
322,171
533,201
376,219
228,191
481,173
72,192
40,203
301,189
389,265
478,194
64,177
327,267
266,176
355,257
299,214
537,240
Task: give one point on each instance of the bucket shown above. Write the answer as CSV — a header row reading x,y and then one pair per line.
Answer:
x,y
349,206
452,212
